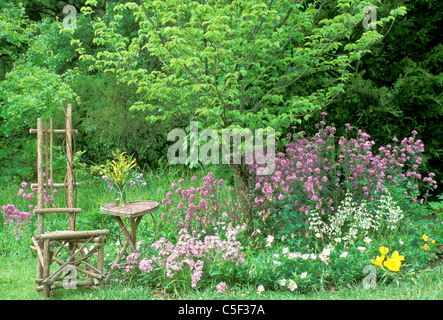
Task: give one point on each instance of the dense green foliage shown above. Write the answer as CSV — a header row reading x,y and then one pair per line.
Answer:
x,y
393,89
134,72
398,87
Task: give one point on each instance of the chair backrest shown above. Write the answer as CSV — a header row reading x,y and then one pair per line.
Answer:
x,y
45,169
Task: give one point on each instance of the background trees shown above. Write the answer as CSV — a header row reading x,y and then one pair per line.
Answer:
x,y
191,62
233,64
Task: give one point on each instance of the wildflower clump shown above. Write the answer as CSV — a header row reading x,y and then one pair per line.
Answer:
x,y
393,263
199,208
426,246
221,287
188,257
352,220
119,173
313,175
13,215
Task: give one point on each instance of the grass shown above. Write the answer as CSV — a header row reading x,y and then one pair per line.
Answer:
x,y
18,262
17,283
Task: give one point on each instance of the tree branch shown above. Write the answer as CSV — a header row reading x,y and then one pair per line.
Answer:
x,y
278,84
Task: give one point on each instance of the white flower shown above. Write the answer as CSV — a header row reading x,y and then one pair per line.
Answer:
x,y
292,255
361,249
318,235
276,255
285,250
324,258
337,239
269,240
303,275
313,256
367,240
282,282
344,254
401,242
276,262
305,256
260,288
326,251
292,285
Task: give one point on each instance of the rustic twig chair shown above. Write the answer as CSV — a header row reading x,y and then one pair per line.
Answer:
x,y
65,249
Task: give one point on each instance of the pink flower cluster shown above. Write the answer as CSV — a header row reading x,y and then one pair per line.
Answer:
x,y
197,208
319,170
49,199
222,287
194,253
12,216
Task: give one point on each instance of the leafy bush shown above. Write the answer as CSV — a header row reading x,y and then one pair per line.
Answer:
x,y
314,175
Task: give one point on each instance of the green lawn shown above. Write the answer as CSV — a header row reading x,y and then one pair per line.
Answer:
x,y
18,262
17,283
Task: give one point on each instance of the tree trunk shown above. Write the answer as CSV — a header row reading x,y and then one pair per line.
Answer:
x,y
242,193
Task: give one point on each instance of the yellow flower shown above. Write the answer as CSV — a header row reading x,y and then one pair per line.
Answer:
x,y
392,264
384,250
378,261
425,237
426,247
397,256
118,169
432,241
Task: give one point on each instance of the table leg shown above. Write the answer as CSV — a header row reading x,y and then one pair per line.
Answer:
x,y
134,225
116,261
131,238
126,233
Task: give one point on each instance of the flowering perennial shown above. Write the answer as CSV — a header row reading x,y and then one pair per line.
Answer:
x,y
194,253
199,208
393,263
352,220
314,174
19,218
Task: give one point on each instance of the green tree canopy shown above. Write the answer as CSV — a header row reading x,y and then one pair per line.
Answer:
x,y
233,64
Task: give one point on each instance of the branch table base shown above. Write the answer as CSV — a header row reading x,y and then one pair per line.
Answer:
x,y
134,212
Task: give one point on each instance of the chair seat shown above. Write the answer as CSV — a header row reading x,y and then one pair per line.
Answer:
x,y
71,235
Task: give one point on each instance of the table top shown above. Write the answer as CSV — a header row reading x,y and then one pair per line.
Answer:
x,y
130,209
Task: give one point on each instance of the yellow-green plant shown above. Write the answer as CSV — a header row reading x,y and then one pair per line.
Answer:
x,y
117,171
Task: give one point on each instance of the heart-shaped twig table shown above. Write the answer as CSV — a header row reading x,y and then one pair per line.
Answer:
x,y
134,211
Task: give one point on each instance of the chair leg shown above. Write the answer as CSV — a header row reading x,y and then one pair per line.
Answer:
x,y
47,282
40,262
101,260
46,268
